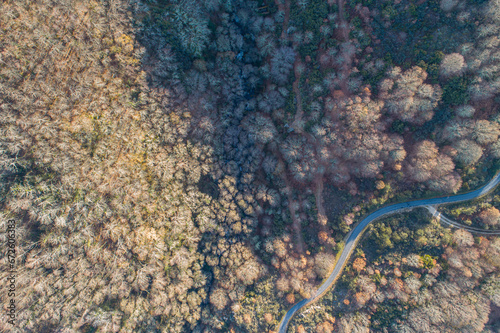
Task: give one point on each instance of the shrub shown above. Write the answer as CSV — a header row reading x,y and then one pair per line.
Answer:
x,y
463,238
266,44
465,111
324,263
486,132
468,152
191,27
448,5
452,64
408,97
218,298
456,91
282,64
495,149
490,216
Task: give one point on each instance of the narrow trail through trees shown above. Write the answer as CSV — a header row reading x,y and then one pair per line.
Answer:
x,y
295,125
295,220
343,28
299,111
285,8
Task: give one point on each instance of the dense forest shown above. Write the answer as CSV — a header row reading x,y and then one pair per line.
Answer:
x,y
193,166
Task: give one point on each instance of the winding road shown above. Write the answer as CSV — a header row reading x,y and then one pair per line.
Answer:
x,y
353,237
455,224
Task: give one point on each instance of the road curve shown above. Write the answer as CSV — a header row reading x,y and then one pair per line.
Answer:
x,y
354,235
455,224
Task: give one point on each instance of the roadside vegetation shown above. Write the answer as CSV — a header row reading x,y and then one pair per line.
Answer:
x,y
482,213
410,273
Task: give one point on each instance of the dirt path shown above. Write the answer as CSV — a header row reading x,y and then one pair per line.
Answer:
x,y
344,35
318,194
298,116
295,220
343,26
286,8
299,112
284,35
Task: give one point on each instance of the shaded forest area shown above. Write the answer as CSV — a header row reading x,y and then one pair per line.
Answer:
x,y
193,166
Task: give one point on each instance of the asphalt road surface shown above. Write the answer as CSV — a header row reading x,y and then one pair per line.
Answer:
x,y
353,237
455,224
